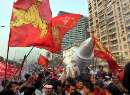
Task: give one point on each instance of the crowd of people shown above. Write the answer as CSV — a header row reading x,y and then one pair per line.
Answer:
x,y
49,83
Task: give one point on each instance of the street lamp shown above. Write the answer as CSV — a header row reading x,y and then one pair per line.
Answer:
x,y
2,26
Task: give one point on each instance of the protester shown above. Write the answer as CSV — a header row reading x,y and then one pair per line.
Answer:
x,y
126,80
48,82
88,88
101,73
10,89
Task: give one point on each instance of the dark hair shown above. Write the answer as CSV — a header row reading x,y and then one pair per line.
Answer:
x,y
89,85
100,83
9,85
27,76
4,83
29,91
126,80
114,90
100,66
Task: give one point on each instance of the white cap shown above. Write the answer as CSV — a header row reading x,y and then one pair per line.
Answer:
x,y
48,86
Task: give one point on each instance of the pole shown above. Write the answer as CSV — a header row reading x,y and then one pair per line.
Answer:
x,y
6,65
6,62
22,64
29,52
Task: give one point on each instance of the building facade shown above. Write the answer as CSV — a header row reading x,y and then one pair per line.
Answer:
x,y
76,35
110,21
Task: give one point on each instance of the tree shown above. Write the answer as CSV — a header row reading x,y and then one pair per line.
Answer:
x,y
1,58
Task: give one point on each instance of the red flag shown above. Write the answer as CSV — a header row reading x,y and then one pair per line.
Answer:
x,y
28,25
56,47
65,22
27,35
24,4
45,10
102,52
42,60
59,26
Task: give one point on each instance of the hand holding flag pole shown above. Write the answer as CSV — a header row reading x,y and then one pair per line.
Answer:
x,y
22,64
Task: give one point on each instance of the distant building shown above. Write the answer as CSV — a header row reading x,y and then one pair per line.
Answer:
x,y
76,35
110,21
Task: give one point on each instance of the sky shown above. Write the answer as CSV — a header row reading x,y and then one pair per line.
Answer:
x,y
73,6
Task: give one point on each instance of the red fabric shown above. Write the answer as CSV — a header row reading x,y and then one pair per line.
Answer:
x,y
121,75
56,47
11,70
44,7
45,10
65,22
111,62
42,60
27,35
98,92
59,26
23,4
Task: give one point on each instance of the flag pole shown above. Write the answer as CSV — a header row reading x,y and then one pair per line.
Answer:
x,y
6,65
6,62
25,57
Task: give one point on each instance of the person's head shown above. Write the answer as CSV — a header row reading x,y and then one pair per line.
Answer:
x,y
29,91
79,84
88,87
12,86
48,88
99,84
113,90
126,80
27,76
100,67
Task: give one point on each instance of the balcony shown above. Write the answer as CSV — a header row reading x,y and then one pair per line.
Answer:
x,y
128,28
100,10
110,20
110,14
112,39
128,37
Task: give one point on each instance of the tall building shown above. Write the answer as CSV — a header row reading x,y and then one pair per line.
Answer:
x,y
76,35
110,21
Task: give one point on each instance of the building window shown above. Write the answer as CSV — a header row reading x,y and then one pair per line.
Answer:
x,y
124,39
113,36
128,28
127,14
128,21
99,4
114,48
111,24
110,20
129,37
112,30
129,44
104,38
114,42
110,14
126,53
125,46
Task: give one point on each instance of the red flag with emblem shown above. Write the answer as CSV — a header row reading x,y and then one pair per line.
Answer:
x,y
65,22
103,53
28,26
60,25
